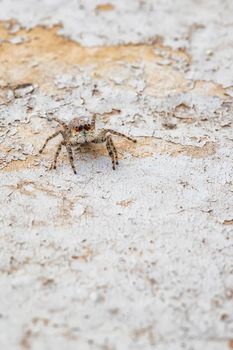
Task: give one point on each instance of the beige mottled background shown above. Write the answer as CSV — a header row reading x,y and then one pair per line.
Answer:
x,y
136,259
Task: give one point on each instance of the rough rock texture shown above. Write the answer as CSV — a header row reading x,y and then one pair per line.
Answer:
x,y
139,258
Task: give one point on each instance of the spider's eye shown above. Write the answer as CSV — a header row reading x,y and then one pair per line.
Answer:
x,y
87,126
79,128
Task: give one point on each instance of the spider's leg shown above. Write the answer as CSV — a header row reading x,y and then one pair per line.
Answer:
x,y
110,149
114,149
49,138
71,158
60,122
93,119
113,132
54,164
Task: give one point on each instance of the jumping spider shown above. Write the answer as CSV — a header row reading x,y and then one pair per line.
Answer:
x,y
79,132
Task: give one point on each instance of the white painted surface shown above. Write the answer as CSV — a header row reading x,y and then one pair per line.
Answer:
x,y
139,258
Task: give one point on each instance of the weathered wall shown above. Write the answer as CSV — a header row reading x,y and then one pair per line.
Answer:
x,y
139,258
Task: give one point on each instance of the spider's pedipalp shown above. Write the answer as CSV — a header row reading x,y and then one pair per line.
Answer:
x,y
93,120
48,139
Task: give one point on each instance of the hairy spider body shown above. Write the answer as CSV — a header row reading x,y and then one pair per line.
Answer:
x,y
80,132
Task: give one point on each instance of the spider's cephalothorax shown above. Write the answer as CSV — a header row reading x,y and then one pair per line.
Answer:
x,y
79,132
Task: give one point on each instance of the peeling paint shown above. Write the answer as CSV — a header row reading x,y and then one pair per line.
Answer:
x,y
140,257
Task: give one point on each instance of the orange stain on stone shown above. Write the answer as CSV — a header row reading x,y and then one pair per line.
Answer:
x,y
43,54
105,7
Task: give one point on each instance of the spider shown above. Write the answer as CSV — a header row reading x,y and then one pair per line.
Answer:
x,y
80,131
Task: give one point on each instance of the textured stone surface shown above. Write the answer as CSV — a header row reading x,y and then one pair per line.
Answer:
x,y
139,258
